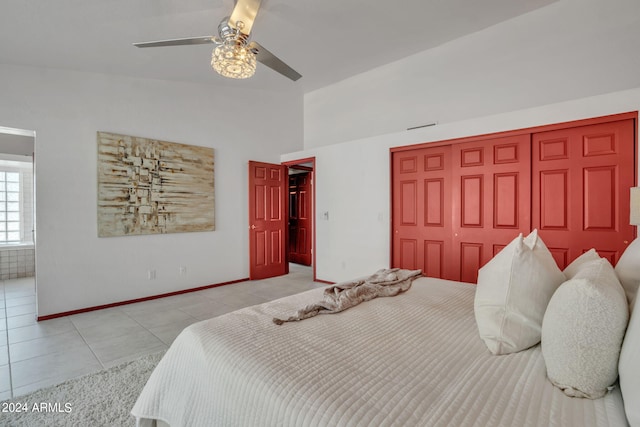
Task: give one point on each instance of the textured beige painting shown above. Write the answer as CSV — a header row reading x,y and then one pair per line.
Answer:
x,y
146,186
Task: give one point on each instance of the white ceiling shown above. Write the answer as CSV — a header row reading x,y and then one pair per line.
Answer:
x,y
325,40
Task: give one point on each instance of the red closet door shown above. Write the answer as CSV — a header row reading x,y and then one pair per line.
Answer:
x,y
421,203
581,178
491,199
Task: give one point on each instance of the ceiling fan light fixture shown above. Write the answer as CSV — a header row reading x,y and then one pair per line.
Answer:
x,y
235,57
233,61
232,58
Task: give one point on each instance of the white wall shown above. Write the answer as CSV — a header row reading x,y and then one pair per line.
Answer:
x,y
567,50
75,269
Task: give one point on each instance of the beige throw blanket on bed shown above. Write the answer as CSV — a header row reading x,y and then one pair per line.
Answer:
x,y
383,283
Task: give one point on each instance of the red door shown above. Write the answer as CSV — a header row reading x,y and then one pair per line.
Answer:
x,y
491,199
300,218
581,178
267,220
421,188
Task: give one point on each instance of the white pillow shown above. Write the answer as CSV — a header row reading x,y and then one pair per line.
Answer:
x,y
583,330
513,291
628,270
572,269
629,368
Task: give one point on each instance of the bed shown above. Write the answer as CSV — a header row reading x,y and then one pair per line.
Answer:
x,y
415,359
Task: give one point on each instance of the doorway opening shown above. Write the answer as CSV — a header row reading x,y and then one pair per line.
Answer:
x,y
17,216
301,235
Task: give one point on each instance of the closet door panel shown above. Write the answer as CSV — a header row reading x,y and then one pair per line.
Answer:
x,y
434,260
554,199
505,190
409,254
421,188
490,199
409,202
580,184
471,259
472,201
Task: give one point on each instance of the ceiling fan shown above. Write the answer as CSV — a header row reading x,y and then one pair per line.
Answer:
x,y
234,56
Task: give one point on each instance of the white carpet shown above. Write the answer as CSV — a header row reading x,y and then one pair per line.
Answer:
x,y
102,399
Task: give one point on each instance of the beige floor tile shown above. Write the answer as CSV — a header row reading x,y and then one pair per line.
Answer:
x,y
108,331
179,301
4,355
5,378
145,306
121,348
168,333
18,292
241,300
19,310
275,292
239,287
154,318
20,283
66,342
99,317
41,329
54,367
12,302
134,356
206,309
21,321
220,291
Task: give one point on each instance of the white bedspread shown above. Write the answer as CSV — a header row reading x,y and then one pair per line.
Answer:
x,y
411,360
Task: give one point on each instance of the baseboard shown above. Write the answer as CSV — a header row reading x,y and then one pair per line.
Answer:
x,y
133,301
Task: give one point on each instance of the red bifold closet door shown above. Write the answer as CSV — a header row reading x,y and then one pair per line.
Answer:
x,y
267,220
491,199
580,184
421,203
456,206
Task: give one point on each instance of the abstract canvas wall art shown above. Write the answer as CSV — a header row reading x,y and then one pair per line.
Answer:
x,y
147,186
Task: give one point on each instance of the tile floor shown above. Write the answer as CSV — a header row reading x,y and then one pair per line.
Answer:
x,y
39,354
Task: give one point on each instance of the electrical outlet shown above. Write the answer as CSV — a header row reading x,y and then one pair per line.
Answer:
x,y
151,274
183,270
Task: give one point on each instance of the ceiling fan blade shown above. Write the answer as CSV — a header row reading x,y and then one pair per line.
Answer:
x,y
177,42
245,11
270,60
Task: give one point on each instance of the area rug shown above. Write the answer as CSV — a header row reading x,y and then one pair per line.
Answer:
x,y
103,398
